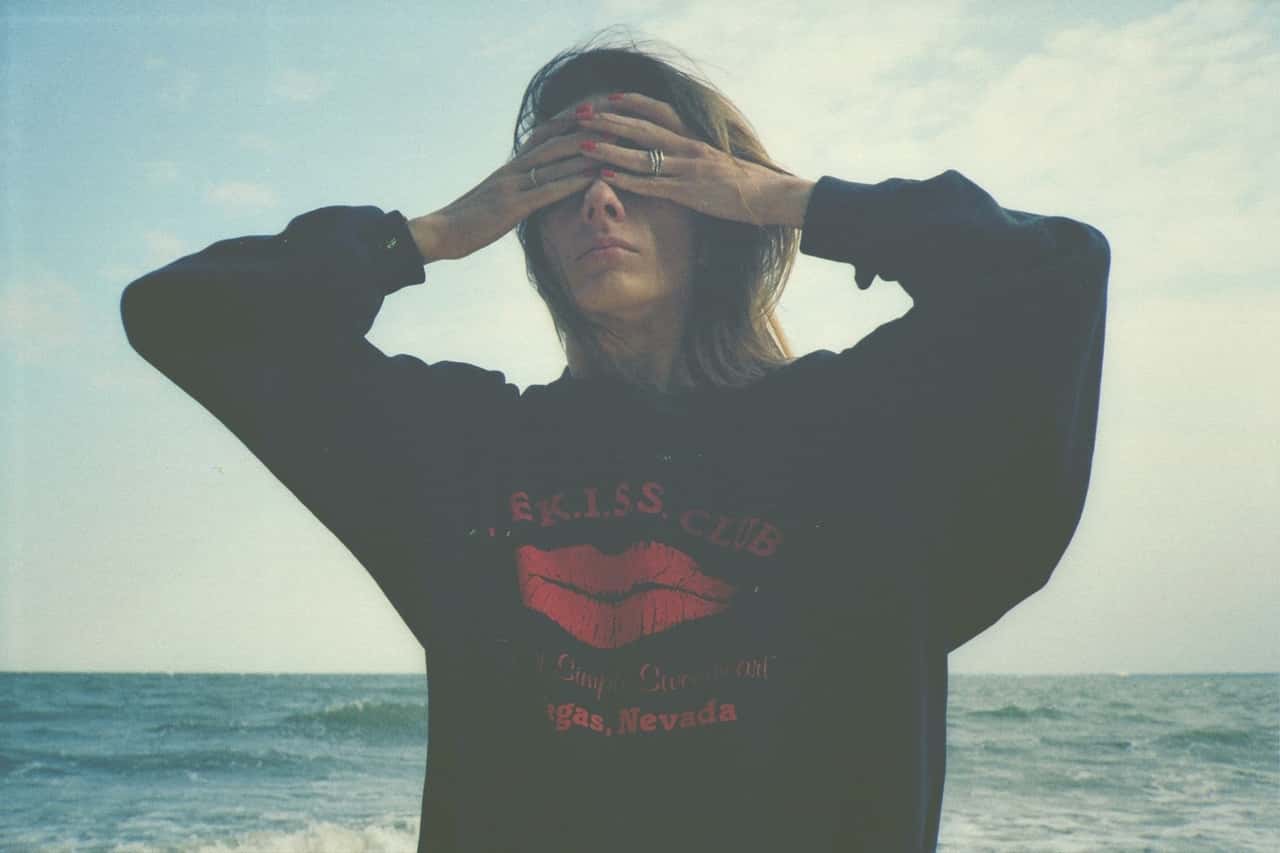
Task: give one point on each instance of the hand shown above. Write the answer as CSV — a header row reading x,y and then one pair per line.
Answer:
x,y
499,202
694,174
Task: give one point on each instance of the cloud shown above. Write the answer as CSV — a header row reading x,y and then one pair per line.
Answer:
x,y
1149,148
241,194
293,84
1159,131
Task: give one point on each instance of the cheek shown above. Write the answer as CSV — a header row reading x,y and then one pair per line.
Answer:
x,y
550,252
676,235
552,227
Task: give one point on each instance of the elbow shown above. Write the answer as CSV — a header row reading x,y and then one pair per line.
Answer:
x,y
1082,267
1099,257
137,311
132,312
1089,254
148,317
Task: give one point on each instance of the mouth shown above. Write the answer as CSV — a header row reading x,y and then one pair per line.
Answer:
x,y
615,249
611,600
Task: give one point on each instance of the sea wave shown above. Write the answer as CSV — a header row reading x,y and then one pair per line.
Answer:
x,y
365,717
394,836
1017,712
1090,743
1211,737
185,726
201,760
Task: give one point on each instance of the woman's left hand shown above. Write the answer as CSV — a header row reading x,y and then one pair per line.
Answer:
x,y
694,173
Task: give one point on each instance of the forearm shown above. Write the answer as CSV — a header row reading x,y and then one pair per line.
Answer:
x,y
792,201
423,229
944,239
323,277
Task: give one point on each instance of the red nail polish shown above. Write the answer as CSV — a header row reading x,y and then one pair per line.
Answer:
x,y
587,146
583,109
616,96
608,173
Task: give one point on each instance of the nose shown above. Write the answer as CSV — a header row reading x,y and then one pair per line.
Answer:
x,y
599,200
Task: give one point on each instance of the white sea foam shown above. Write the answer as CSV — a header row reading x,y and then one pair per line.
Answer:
x,y
321,837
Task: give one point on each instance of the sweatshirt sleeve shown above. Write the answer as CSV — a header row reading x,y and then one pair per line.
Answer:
x,y
980,404
268,334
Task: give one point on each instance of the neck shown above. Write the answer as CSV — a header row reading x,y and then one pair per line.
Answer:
x,y
642,353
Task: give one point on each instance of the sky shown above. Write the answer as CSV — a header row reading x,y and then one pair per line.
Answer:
x,y
138,533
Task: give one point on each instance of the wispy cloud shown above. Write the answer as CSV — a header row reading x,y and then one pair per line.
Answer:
x,y
1160,131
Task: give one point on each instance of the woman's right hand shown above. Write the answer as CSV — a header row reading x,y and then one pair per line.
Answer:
x,y
502,200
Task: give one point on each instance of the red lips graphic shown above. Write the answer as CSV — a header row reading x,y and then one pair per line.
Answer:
x,y
610,600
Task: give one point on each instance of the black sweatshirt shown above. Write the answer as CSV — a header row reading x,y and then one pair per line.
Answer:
x,y
715,620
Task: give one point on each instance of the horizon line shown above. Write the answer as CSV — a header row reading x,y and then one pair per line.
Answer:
x,y
1121,673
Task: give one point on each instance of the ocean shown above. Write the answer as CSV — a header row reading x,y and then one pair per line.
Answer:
x,y
136,763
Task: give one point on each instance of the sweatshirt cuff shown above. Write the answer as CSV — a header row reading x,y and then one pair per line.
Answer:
x,y
838,223
398,257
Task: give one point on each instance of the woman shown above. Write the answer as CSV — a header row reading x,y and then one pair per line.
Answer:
x,y
694,593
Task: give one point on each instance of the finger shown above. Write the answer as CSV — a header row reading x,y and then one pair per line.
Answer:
x,y
635,160
556,148
642,131
555,126
656,187
570,130
550,191
556,169
560,170
562,121
673,190
651,109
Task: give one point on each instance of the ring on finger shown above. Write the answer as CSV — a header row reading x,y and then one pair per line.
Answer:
x,y
655,161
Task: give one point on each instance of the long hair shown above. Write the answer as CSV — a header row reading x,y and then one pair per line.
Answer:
x,y
731,336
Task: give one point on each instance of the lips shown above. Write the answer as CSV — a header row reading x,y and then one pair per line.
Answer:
x,y
606,243
610,600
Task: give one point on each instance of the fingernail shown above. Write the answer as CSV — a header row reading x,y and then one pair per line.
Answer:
x,y
583,109
616,96
608,173
587,146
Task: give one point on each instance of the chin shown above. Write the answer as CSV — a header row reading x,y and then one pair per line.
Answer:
x,y
607,294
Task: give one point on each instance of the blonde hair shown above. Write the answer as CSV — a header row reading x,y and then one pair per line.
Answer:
x,y
733,336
